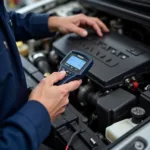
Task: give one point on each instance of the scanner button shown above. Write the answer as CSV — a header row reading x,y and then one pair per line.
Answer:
x,y
68,73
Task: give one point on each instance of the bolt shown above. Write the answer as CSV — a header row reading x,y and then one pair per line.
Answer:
x,y
85,120
127,81
133,78
82,104
107,92
139,145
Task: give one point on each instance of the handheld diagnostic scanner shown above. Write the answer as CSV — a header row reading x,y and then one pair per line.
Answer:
x,y
76,64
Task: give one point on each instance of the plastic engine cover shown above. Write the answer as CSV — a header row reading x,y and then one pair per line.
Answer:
x,y
115,57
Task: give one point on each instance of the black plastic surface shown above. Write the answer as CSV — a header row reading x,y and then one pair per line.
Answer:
x,y
115,57
114,107
144,101
68,123
31,71
122,8
139,3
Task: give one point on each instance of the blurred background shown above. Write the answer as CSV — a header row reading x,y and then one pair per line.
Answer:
x,y
15,4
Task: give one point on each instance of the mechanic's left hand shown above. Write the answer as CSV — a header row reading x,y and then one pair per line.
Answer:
x,y
73,24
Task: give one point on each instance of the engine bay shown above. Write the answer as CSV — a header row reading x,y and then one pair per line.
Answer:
x,y
113,101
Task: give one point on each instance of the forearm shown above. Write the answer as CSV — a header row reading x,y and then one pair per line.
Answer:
x,y
30,26
26,129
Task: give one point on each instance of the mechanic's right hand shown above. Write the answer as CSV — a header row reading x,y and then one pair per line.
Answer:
x,y
54,98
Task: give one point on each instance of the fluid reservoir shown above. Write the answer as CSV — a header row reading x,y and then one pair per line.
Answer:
x,y
118,129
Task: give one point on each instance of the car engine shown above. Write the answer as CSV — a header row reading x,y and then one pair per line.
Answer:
x,y
111,108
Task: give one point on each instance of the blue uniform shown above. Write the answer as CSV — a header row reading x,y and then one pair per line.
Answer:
x,y
23,124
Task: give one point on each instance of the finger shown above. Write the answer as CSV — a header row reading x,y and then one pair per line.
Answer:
x,y
97,29
94,25
71,86
84,20
75,29
102,25
66,100
54,78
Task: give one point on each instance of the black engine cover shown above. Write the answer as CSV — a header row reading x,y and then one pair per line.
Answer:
x,y
115,57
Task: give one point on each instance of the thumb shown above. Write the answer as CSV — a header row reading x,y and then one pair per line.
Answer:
x,y
75,29
55,77
71,86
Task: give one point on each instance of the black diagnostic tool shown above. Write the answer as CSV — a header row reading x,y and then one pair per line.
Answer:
x,y
76,64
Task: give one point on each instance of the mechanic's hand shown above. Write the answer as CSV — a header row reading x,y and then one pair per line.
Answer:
x,y
74,24
54,98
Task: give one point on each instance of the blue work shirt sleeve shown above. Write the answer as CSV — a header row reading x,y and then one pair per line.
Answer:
x,y
27,129
30,26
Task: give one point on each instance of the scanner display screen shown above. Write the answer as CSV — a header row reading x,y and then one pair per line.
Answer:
x,y
76,62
